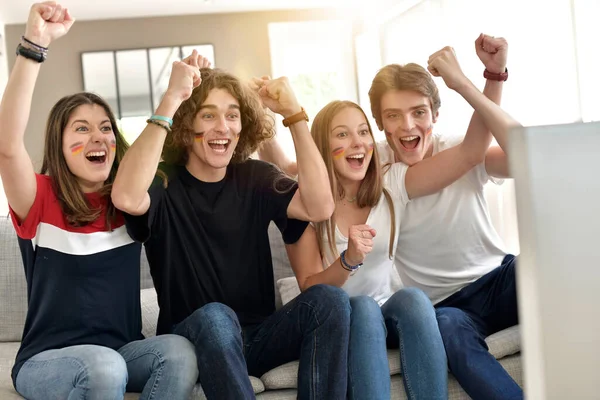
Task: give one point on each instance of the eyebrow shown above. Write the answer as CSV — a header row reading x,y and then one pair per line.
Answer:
x,y
411,108
214,107
83,121
346,127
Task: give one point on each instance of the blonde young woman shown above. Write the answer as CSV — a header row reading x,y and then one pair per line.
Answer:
x,y
357,245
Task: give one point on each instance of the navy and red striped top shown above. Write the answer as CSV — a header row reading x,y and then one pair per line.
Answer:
x,y
83,283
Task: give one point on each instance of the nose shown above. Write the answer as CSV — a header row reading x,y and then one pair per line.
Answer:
x,y
97,136
356,140
407,124
221,125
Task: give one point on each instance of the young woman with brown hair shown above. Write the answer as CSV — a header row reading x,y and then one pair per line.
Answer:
x,y
82,336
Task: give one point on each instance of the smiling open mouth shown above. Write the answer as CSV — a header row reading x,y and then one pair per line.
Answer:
x,y
96,157
356,160
410,142
219,145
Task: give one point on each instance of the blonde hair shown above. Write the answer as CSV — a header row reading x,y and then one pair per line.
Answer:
x,y
402,77
371,188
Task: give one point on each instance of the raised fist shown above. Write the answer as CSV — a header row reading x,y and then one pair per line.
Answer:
x,y
47,22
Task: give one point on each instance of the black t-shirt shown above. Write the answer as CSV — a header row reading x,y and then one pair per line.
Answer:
x,y
208,242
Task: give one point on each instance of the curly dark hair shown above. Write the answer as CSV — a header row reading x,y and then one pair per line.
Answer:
x,y
257,126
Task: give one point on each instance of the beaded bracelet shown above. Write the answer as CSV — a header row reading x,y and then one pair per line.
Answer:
x,y
346,266
37,46
155,122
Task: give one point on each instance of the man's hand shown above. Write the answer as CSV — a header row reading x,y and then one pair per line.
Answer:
x,y
443,63
492,52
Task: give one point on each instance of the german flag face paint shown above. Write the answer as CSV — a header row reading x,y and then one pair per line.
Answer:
x,y
371,145
338,153
76,148
199,137
113,145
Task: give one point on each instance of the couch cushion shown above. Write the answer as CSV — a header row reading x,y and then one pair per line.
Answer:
x,y
281,263
13,288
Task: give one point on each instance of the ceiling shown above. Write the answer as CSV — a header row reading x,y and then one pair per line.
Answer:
x,y
16,11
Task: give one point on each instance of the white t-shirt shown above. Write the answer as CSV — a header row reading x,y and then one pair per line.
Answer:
x,y
447,239
377,278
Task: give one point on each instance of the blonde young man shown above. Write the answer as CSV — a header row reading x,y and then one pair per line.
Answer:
x,y
447,244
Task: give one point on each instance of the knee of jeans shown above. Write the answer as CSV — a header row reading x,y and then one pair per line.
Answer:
x,y
108,371
366,309
332,297
454,324
412,299
178,354
216,325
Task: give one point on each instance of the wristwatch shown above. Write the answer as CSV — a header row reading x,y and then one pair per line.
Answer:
x,y
292,119
502,76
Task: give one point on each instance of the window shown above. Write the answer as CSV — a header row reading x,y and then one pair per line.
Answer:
x,y
317,57
133,81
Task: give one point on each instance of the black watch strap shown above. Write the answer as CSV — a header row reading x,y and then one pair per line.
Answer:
x,y
31,54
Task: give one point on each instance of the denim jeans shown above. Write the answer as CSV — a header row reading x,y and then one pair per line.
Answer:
x,y
314,328
412,327
466,318
368,367
161,367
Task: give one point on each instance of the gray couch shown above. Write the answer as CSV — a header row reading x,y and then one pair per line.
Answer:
x,y
280,383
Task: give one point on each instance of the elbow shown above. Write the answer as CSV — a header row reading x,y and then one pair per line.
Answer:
x,y
123,202
323,212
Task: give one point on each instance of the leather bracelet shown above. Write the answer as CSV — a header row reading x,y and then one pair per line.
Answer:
x,y
292,119
501,77
30,54
346,266
155,122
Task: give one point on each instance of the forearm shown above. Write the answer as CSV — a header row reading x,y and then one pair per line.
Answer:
x,y
271,151
313,181
493,117
16,105
138,168
334,275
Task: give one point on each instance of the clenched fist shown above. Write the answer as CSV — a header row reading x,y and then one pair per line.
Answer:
x,y
360,243
47,22
492,52
185,76
277,95
443,63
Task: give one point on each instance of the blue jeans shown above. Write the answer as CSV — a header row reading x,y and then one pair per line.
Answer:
x,y
411,324
314,328
466,318
161,367
368,367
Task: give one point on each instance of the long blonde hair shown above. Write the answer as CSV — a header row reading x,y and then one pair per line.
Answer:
x,y
371,187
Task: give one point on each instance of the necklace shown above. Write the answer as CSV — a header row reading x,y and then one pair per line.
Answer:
x,y
352,200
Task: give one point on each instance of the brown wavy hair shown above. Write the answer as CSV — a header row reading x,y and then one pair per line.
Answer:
x,y
257,126
371,187
71,197
402,77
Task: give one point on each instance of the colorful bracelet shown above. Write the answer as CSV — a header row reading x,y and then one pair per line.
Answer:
x,y
155,122
346,266
161,118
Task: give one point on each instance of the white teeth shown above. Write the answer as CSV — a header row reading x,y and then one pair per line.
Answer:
x,y
356,156
409,138
225,141
96,154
